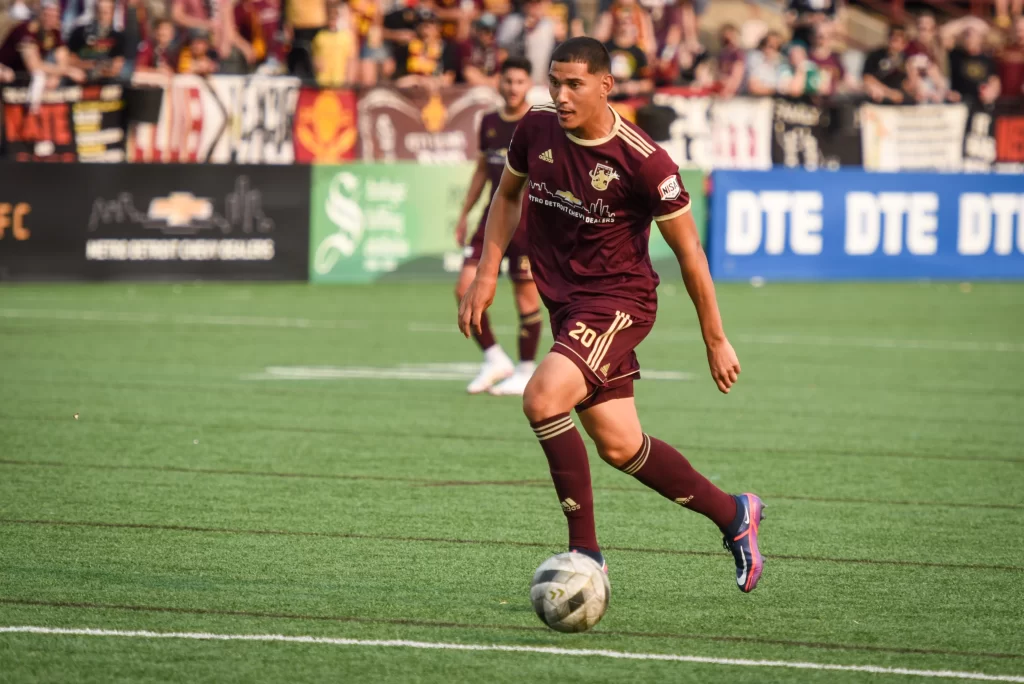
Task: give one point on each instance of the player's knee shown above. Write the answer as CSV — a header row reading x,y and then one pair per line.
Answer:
x,y
615,454
538,403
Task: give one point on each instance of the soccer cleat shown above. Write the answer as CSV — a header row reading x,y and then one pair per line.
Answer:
x,y
596,556
491,372
514,385
743,543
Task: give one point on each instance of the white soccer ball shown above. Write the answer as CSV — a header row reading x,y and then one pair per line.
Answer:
x,y
570,592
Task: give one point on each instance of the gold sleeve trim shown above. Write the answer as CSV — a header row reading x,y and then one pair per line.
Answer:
x,y
513,171
674,214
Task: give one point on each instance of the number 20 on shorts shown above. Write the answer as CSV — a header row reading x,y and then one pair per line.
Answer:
x,y
585,335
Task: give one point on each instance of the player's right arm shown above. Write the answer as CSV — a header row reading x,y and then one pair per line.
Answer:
x,y
502,221
476,188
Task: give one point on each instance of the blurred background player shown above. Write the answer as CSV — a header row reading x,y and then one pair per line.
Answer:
x,y
497,374
595,183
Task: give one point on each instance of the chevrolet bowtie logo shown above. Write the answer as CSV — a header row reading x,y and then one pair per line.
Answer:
x,y
181,209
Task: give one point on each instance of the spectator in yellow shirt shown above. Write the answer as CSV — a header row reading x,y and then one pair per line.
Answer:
x,y
335,54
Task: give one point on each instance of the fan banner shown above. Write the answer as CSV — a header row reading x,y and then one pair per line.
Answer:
x,y
437,127
77,123
218,120
812,136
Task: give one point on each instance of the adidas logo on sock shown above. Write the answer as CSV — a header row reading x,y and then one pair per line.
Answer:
x,y
682,501
569,505
546,156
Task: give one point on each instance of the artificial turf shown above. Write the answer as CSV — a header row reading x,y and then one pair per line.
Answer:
x,y
154,475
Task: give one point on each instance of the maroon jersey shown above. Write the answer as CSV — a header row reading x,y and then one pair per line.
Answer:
x,y
26,33
591,206
495,137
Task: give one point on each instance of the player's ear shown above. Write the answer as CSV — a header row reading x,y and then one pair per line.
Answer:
x,y
607,83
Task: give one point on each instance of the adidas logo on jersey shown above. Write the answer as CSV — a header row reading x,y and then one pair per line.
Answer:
x,y
569,505
546,156
605,368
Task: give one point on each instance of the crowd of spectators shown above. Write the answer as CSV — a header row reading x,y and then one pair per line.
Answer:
x,y
433,43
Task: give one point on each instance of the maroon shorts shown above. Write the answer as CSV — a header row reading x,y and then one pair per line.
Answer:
x,y
601,343
517,253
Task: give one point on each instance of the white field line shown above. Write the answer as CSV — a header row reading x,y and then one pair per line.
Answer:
x,y
663,335
179,319
546,650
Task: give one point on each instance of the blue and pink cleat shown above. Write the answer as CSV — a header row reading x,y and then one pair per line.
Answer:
x,y
743,543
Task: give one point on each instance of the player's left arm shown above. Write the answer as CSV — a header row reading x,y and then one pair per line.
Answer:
x,y
670,206
680,233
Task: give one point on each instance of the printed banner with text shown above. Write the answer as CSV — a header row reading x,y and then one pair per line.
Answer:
x,y
65,125
120,222
855,225
219,120
428,127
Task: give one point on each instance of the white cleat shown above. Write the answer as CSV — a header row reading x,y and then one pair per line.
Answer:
x,y
491,372
513,386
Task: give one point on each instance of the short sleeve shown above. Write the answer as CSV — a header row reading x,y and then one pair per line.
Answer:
x,y
872,64
449,59
77,40
518,150
118,49
662,187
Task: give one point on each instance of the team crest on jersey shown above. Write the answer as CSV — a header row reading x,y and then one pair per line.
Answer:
x,y
601,176
669,188
491,132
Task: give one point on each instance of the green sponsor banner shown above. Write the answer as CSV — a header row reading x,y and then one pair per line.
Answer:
x,y
380,221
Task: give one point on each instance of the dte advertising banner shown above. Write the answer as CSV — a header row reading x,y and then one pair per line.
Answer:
x,y
854,225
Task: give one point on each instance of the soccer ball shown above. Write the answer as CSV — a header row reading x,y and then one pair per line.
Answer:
x,y
570,592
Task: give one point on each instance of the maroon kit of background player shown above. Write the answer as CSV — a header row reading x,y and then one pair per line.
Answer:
x,y
495,137
589,221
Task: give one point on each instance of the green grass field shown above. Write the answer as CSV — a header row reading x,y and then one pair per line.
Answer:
x,y
294,460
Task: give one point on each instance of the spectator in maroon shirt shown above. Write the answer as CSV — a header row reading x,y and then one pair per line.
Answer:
x,y
480,56
256,23
1010,64
731,62
928,42
159,53
833,75
35,46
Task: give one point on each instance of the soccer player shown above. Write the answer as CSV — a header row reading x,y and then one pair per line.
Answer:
x,y
594,184
497,374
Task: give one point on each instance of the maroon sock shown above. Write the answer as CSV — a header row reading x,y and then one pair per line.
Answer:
x,y
529,335
485,338
570,471
667,472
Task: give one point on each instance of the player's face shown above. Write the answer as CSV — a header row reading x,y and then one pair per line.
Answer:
x,y
513,87
578,94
